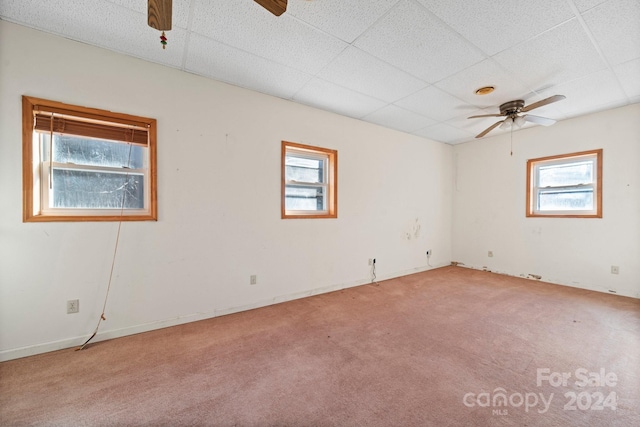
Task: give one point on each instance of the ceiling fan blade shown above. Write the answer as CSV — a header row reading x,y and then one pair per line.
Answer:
x,y
539,120
277,7
159,14
549,100
489,129
485,115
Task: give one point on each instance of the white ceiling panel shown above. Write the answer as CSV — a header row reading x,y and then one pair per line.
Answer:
x,y
445,132
344,19
404,64
559,55
464,84
616,27
247,26
432,102
496,25
328,96
398,118
365,73
216,60
101,24
629,76
411,38
123,32
586,95
179,18
584,5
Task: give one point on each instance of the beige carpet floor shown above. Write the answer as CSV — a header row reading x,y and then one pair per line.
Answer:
x,y
447,347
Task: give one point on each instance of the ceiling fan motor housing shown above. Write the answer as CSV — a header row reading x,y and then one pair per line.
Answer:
x,y
512,107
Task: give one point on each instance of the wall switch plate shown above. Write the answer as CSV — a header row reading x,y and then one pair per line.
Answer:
x,y
73,306
615,269
253,279
490,254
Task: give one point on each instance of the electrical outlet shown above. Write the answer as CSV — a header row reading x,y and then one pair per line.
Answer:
x,y
73,306
428,252
615,269
490,254
370,261
253,279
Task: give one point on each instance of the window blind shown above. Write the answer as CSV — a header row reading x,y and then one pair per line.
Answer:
x,y
135,133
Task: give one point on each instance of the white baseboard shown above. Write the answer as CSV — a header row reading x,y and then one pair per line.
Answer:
x,y
32,350
622,293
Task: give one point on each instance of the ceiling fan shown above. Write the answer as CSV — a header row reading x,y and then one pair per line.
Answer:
x,y
512,112
159,13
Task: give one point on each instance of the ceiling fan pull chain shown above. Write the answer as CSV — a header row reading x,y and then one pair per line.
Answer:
x,y
511,141
163,40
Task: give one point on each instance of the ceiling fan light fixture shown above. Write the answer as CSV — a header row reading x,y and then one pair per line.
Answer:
x,y
506,123
519,121
485,90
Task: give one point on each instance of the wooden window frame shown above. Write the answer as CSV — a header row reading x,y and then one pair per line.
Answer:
x,y
331,184
531,165
87,124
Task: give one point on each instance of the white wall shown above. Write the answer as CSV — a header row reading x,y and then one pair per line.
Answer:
x,y
489,205
219,203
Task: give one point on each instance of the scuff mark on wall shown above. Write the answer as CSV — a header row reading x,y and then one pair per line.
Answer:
x,y
534,276
414,230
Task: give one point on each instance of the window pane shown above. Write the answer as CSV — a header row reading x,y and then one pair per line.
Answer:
x,y
96,152
299,198
304,170
566,174
96,190
580,199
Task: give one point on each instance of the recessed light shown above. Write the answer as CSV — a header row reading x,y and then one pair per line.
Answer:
x,y
485,90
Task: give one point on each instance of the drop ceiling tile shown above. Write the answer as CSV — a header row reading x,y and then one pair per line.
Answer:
x,y
496,25
249,47
284,39
345,20
594,92
179,18
446,133
629,76
101,24
216,60
411,38
124,32
584,5
331,97
433,102
559,55
52,16
616,28
32,13
367,74
398,118
464,84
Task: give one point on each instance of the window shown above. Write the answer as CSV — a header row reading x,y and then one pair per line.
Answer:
x,y
567,186
82,164
309,181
